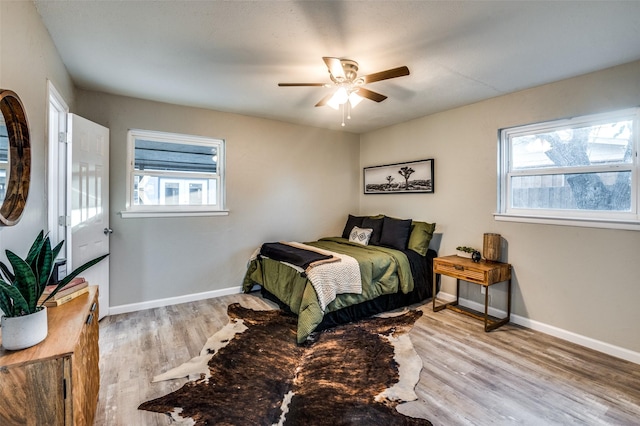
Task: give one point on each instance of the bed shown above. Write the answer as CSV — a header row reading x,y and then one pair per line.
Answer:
x,y
395,269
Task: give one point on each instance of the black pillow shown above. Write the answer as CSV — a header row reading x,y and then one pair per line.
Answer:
x,y
395,233
376,225
351,222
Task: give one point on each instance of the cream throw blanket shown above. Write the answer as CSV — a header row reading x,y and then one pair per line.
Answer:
x,y
332,278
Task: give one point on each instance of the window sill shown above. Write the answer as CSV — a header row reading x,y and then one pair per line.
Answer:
x,y
631,225
136,214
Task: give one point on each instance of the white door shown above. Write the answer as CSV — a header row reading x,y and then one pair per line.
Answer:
x,y
59,157
89,194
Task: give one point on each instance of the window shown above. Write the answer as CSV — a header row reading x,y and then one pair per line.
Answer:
x,y
580,171
172,174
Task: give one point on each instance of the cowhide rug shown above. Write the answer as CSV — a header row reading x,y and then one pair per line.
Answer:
x,y
252,372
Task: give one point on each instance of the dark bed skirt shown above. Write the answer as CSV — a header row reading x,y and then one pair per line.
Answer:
x,y
384,303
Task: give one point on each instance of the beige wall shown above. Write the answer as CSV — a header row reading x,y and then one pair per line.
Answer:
x,y
28,59
284,182
581,280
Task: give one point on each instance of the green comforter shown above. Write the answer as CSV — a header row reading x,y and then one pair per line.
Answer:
x,y
383,271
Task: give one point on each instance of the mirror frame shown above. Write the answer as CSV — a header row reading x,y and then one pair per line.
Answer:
x,y
19,158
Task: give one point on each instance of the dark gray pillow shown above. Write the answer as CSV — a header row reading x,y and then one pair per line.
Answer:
x,y
351,222
395,233
376,225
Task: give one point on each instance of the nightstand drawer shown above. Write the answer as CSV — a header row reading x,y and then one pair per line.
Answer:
x,y
477,272
463,272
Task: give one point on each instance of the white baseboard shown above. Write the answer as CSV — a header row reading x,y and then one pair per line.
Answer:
x,y
158,303
579,339
551,330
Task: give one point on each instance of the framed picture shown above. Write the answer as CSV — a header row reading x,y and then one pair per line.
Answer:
x,y
399,178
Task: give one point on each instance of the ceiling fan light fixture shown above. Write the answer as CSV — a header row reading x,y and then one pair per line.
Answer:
x,y
333,103
354,99
349,87
341,96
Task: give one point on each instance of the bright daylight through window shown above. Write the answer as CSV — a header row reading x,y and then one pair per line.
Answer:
x,y
174,174
580,171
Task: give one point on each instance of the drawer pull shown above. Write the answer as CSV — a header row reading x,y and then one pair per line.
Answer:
x,y
459,267
89,319
93,307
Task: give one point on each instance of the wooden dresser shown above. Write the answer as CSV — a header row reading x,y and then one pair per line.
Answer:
x,y
55,382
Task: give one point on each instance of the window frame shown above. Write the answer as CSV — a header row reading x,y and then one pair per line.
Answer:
x,y
585,218
134,211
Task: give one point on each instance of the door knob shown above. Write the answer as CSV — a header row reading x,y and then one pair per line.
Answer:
x,y
107,231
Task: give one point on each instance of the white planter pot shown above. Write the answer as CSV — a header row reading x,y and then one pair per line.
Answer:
x,y
25,331
463,254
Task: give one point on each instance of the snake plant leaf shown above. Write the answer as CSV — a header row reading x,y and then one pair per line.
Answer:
x,y
57,249
55,252
34,251
17,305
44,264
6,304
54,255
6,272
38,257
39,260
66,280
25,281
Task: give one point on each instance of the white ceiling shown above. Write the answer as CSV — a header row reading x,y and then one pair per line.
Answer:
x,y
230,55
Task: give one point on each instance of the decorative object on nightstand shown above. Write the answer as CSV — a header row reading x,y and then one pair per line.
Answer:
x,y
491,247
464,251
476,257
484,273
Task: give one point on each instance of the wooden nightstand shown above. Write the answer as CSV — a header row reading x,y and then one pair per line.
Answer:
x,y
483,273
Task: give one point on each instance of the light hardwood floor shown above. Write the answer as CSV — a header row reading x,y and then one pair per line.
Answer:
x,y
510,376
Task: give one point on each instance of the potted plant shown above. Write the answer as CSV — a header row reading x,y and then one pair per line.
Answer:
x,y
24,322
469,253
464,251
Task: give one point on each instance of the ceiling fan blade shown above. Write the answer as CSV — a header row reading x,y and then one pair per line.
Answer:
x,y
324,100
385,75
301,84
374,96
335,67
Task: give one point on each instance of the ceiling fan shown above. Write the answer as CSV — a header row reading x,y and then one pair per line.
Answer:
x,y
349,87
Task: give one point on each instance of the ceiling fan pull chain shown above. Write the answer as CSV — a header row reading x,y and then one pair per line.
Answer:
x,y
348,104
342,108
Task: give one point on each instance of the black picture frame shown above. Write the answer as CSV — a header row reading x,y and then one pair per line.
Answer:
x,y
393,178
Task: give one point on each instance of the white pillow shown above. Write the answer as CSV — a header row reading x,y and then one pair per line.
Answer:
x,y
360,235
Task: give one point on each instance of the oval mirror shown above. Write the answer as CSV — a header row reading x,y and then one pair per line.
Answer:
x,y
15,158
